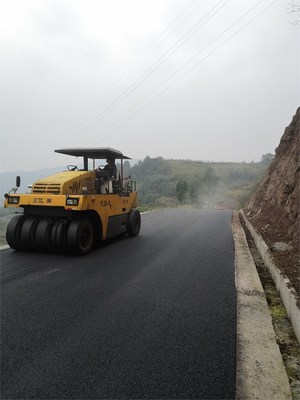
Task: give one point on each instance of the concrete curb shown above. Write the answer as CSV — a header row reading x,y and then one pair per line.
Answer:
x,y
260,370
285,288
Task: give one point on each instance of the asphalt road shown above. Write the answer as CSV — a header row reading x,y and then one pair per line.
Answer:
x,y
152,317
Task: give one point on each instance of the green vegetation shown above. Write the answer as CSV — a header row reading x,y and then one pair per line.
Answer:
x,y
165,183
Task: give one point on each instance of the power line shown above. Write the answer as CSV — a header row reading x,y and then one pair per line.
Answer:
x,y
211,13
180,68
199,3
112,128
160,43
116,84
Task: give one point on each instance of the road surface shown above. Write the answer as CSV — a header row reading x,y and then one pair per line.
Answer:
x,y
152,317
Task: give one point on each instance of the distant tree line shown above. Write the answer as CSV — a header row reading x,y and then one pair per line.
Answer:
x,y
165,183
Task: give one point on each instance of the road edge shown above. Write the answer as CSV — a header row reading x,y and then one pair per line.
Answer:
x,y
283,284
260,370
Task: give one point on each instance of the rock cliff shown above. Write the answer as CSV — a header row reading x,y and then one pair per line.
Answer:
x,y
273,209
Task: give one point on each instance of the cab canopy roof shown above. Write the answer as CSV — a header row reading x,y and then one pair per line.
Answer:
x,y
95,153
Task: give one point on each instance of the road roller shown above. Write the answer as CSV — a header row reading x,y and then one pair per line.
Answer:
x,y
76,209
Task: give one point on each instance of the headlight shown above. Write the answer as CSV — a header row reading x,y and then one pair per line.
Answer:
x,y
71,201
13,200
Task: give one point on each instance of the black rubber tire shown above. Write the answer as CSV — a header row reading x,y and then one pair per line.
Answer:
x,y
13,232
28,233
59,235
43,235
134,223
80,236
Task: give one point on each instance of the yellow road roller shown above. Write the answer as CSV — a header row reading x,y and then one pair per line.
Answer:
x,y
75,209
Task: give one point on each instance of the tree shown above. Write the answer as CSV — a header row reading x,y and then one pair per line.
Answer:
x,y
210,179
194,186
266,159
181,189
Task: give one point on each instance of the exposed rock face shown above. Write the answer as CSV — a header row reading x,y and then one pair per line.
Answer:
x,y
274,207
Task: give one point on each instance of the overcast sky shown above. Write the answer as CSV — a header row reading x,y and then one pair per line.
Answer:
x,y
201,80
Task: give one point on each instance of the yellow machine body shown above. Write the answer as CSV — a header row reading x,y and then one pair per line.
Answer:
x,y
77,198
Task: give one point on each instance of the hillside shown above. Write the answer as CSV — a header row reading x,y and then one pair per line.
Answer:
x,y
273,209
165,183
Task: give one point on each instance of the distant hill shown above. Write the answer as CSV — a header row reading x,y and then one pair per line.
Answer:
x,y
165,183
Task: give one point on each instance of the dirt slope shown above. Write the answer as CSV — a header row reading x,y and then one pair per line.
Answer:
x,y
273,209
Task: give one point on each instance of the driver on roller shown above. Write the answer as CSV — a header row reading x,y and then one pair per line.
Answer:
x,y
111,168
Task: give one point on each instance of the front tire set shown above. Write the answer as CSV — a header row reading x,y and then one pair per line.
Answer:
x,y
49,234
46,234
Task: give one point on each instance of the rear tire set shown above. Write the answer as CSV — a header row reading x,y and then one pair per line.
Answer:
x,y
134,223
80,236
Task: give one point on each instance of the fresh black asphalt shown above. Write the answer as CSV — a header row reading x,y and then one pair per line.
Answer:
x,y
151,317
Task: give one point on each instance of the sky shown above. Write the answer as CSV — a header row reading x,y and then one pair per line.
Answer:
x,y
213,80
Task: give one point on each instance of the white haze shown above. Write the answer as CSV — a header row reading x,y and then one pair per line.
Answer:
x,y
175,79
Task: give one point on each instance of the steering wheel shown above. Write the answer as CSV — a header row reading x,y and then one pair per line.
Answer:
x,y
101,167
72,167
